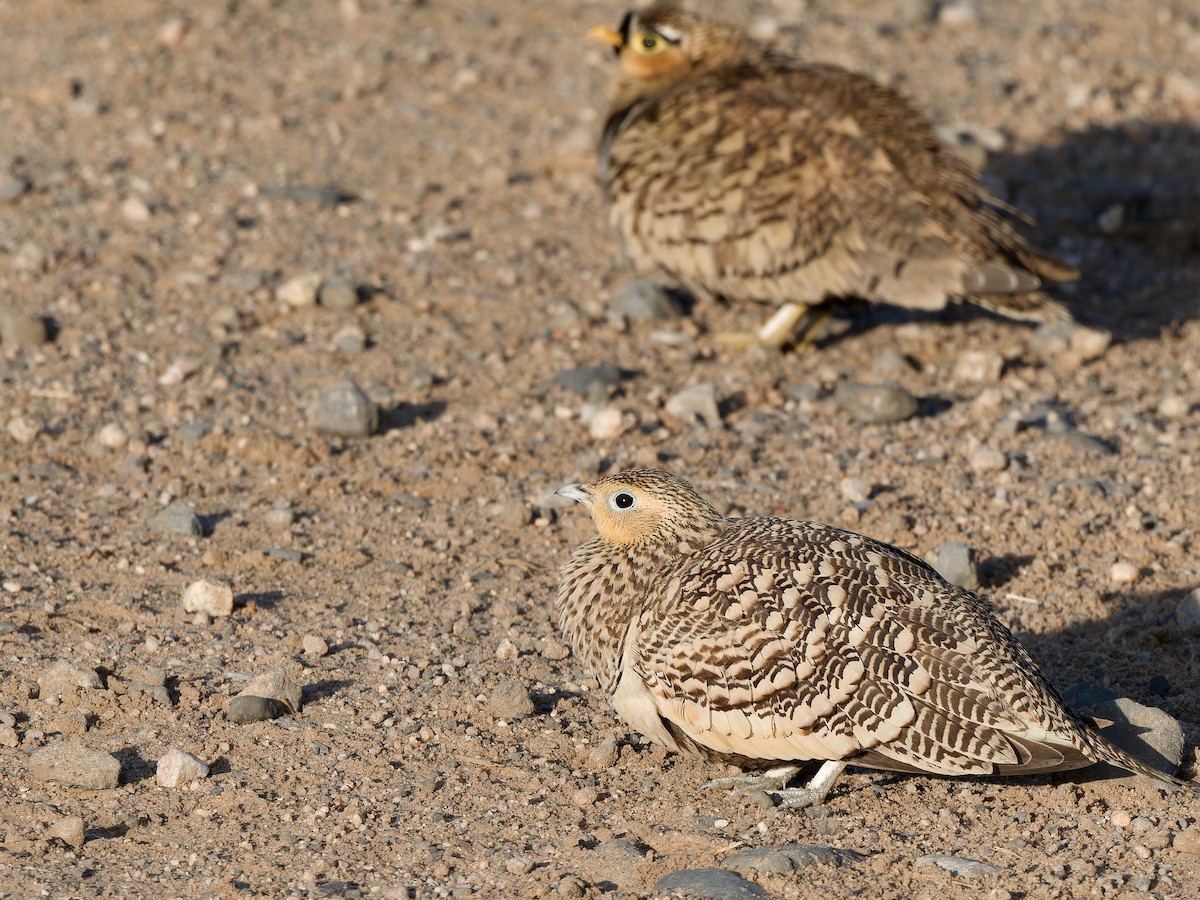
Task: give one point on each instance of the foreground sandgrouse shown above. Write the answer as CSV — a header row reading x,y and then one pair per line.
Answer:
x,y
749,175
771,641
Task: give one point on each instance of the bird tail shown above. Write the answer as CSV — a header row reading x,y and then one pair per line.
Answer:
x,y
1103,750
1026,306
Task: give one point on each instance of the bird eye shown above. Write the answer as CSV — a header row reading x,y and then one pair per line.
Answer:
x,y
623,500
648,42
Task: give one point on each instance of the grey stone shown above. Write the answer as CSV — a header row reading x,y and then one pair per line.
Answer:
x,y
194,432
343,409
695,406
958,865
30,257
1086,444
74,765
1144,732
338,293
510,700
956,562
176,767
643,300
588,381
275,684
875,402
20,331
12,187
177,518
790,858
156,692
350,340
253,709
711,884
287,554
1187,613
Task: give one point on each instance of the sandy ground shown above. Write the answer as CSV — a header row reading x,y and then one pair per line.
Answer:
x,y
438,157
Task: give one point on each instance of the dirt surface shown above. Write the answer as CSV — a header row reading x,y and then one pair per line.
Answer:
x,y
438,157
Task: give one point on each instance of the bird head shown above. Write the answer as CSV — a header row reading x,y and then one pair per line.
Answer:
x,y
644,506
663,45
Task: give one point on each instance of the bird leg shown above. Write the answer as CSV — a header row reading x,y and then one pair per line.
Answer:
x,y
774,781
793,323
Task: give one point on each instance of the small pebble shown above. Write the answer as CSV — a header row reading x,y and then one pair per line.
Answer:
x,y
176,767
510,700
343,409
337,293
172,32
856,490
69,830
209,597
988,459
1124,573
1187,613
112,436
1089,343
506,649
12,187
585,796
314,645
21,331
592,382
875,403
30,257
75,765
979,366
177,518
9,736
958,14
518,865
695,406
194,432
1172,406
644,300
1120,818
300,291
242,710
136,210
606,423
956,562
23,431
350,340
602,756
958,865
275,685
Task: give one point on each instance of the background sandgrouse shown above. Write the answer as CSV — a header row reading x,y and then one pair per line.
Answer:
x,y
767,641
749,175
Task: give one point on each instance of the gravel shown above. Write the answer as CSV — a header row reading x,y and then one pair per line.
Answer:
x,y
343,409
177,517
710,884
875,403
957,563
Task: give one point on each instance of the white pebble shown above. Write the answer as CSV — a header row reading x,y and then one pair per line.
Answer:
x,y
506,650
314,645
606,424
176,767
300,291
1120,818
1172,406
988,459
855,489
135,210
1124,573
23,431
1089,343
112,436
979,366
210,597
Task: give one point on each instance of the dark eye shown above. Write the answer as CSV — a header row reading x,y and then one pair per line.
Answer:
x,y
648,42
623,500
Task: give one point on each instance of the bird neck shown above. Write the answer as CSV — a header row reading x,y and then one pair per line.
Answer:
x,y
606,585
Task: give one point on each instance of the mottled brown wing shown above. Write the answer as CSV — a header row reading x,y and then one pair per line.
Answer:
x,y
793,640
800,183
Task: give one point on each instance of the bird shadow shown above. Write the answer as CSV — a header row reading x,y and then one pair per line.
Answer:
x,y
1122,203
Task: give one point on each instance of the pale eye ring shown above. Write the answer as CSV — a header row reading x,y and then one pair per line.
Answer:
x,y
623,500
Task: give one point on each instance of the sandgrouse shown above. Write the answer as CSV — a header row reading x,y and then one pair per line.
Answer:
x,y
767,642
746,174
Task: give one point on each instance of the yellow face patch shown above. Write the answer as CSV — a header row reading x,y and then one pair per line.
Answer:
x,y
623,514
650,56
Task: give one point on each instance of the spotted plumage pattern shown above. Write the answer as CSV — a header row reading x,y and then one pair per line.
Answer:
x,y
747,174
769,640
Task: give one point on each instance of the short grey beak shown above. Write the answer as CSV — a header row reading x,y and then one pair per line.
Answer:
x,y
574,492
